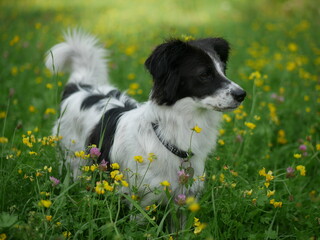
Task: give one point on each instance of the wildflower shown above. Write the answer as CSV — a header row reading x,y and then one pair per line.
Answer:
x,y
301,169
131,76
103,165
221,178
152,157
3,236
193,206
257,118
198,226
183,176
165,183
93,167
138,159
3,140
81,154
3,115
275,204
290,172
50,111
221,142
95,152
49,169
49,86
49,218
250,125
66,234
318,147
115,166
297,155
32,109
45,203
248,192
107,186
33,153
227,118
270,193
292,47
20,171
197,129
282,137
130,50
86,168
114,173
54,181
99,189
124,183
222,132
181,199
303,148
134,197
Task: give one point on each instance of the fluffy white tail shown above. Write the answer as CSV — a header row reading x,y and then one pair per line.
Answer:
x,y
81,56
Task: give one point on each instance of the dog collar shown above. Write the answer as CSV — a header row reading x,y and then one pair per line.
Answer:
x,y
173,149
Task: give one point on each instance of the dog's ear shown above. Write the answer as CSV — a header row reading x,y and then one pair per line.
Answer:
x,y
219,45
163,65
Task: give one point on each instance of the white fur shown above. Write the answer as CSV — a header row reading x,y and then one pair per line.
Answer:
x,y
134,134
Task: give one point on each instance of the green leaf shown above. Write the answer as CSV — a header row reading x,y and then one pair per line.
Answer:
x,y
7,220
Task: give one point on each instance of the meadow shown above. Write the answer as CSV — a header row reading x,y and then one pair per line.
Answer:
x,y
263,179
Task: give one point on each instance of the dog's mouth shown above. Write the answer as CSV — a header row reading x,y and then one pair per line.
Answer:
x,y
223,109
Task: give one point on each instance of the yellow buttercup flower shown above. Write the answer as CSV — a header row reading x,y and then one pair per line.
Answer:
x,y
197,129
297,155
250,125
165,183
138,159
45,203
115,166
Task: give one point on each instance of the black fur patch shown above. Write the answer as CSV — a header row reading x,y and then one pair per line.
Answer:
x,y
103,133
95,98
72,88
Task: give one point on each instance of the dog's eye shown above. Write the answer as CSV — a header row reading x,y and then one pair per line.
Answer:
x,y
203,77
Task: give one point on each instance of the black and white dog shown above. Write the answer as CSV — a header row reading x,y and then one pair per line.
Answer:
x,y
190,88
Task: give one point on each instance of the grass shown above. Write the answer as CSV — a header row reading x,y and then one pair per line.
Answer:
x,y
275,57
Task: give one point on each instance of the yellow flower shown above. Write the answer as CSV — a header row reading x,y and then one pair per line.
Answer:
x,y
250,125
49,218
270,193
221,178
297,155
33,153
115,166
50,111
45,203
318,147
194,207
267,184
49,86
93,167
134,197
222,131
114,173
107,186
134,86
99,189
197,129
257,118
125,183
3,140
138,159
221,142
152,157
301,169
248,192
131,76
3,236
3,114
227,118
276,204
292,47
198,226
165,183
66,234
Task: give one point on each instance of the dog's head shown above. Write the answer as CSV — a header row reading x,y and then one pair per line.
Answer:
x,y
194,69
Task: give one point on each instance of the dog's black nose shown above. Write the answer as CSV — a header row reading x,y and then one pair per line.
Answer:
x,y
239,94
